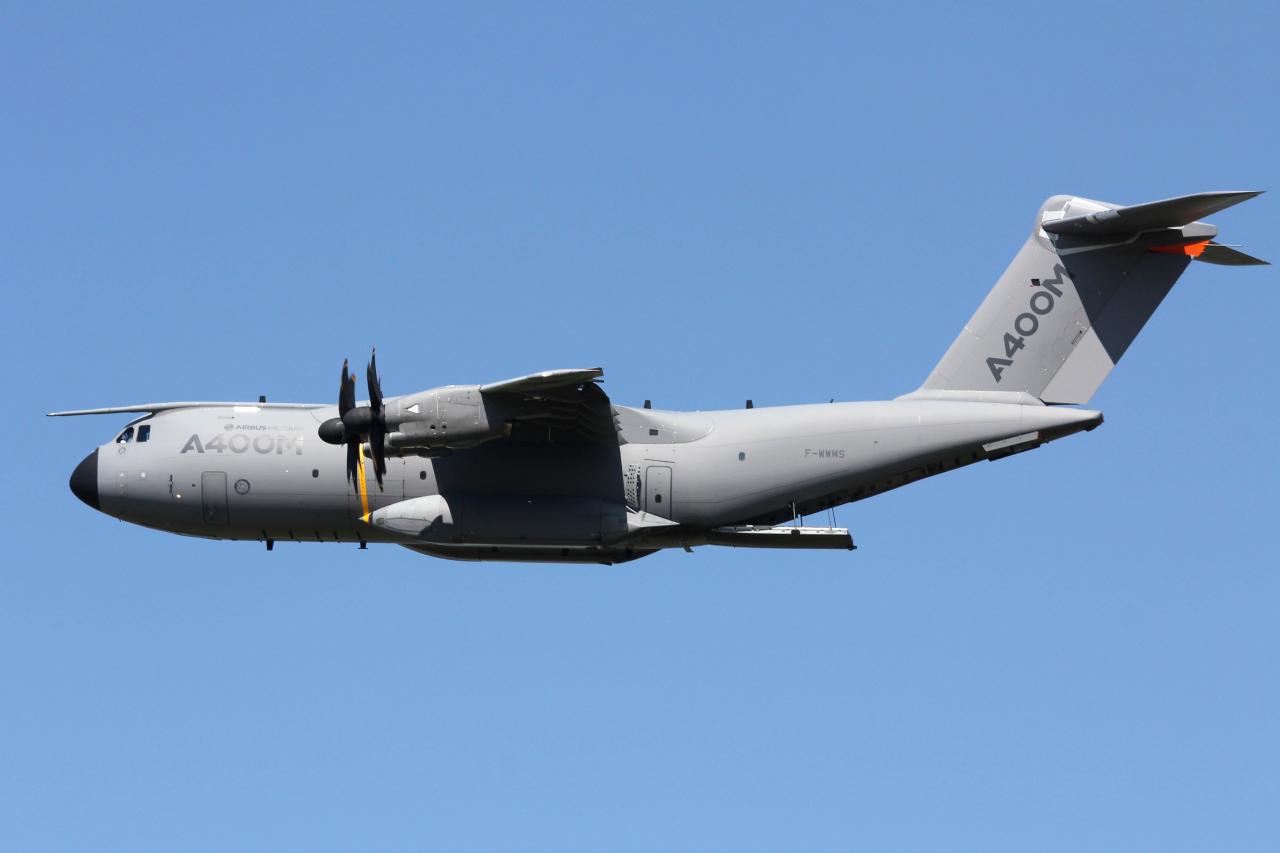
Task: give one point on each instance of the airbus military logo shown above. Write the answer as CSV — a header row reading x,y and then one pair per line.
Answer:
x,y
1027,323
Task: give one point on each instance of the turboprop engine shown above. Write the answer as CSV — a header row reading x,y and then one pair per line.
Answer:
x,y
453,417
448,418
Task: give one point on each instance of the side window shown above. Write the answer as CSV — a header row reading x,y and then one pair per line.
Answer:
x,y
144,433
125,437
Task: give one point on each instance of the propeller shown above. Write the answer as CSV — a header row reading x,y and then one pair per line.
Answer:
x,y
356,423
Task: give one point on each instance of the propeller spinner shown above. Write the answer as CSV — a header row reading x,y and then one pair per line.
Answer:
x,y
356,424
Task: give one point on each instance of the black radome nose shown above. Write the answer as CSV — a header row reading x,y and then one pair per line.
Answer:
x,y
84,480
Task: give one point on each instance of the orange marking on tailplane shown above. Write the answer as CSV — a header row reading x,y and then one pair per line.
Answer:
x,y
1192,249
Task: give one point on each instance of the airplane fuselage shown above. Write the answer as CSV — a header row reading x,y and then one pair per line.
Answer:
x,y
261,473
545,467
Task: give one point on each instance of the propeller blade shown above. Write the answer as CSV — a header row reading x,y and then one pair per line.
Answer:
x,y
347,393
353,460
378,421
377,448
375,387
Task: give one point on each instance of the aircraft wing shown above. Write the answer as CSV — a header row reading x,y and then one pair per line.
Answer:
x,y
546,380
152,408
556,405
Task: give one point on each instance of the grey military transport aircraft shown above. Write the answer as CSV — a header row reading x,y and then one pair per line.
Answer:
x,y
546,468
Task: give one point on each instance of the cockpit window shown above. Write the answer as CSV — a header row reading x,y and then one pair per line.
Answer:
x,y
144,432
126,436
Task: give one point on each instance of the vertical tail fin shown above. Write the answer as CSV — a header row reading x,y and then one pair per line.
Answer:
x,y
1085,283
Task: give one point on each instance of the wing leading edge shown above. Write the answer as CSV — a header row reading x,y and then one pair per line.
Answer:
x,y
182,404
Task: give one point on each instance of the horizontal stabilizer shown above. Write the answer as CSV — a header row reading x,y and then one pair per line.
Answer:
x,y
1169,213
1228,256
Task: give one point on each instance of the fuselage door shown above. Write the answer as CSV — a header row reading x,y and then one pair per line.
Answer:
x,y
657,490
213,495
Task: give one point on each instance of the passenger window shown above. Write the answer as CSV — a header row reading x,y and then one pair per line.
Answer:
x,y
126,436
144,432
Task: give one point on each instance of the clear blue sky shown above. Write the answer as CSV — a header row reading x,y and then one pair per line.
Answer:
x,y
1075,649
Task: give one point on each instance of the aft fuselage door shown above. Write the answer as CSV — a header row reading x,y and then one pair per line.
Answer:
x,y
657,490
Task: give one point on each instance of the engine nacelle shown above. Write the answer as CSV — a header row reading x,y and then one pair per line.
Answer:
x,y
455,416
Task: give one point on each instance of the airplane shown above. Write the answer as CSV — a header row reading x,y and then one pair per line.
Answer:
x,y
546,468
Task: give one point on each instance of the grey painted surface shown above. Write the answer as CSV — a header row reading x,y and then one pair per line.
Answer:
x,y
1070,304
269,477
546,468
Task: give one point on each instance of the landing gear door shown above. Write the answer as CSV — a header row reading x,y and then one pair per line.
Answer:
x,y
657,490
213,496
